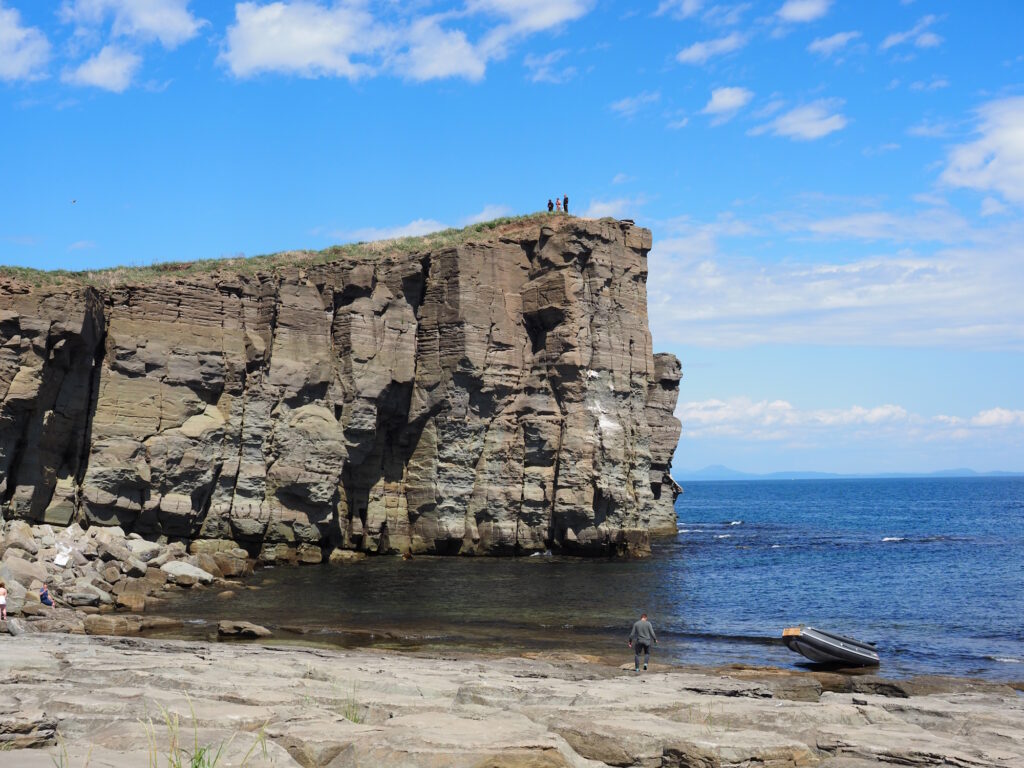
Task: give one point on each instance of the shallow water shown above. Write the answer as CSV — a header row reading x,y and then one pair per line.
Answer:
x,y
930,569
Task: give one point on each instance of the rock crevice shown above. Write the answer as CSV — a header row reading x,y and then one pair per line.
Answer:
x,y
497,396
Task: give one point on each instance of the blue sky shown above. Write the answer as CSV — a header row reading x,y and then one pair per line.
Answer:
x,y
835,188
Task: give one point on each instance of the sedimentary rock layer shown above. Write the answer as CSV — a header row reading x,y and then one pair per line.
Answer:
x,y
496,396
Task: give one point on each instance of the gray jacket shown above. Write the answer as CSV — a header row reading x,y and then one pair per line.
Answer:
x,y
643,633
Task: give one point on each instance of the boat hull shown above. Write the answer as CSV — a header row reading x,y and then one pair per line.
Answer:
x,y
828,648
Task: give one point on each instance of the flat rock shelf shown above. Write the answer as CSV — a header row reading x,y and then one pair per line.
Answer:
x,y
120,702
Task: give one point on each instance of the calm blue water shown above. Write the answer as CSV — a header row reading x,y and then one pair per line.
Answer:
x,y
931,570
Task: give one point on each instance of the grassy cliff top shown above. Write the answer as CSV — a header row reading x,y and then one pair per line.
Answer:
x,y
115,276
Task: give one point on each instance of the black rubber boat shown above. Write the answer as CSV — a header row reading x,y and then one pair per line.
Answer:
x,y
828,648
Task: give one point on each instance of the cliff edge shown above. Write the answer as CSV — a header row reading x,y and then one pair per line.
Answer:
x,y
492,395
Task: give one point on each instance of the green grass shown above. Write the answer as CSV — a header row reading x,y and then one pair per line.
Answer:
x,y
181,755
113,277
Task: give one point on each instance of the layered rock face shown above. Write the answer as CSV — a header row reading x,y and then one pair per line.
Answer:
x,y
494,397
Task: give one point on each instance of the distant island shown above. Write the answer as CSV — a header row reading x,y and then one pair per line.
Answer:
x,y
719,472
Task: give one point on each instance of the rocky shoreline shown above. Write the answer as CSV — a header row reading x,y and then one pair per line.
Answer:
x,y
117,702
102,580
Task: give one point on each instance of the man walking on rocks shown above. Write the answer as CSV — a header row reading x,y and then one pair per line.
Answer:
x,y
640,639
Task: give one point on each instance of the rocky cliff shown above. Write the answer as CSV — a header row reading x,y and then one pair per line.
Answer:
x,y
494,395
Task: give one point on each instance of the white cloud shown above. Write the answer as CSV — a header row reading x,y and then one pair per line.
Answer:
x,y
700,52
112,69
300,38
916,34
779,420
725,102
630,105
925,278
24,51
931,129
168,21
621,178
310,39
994,160
414,228
881,149
617,209
546,69
679,8
726,15
776,419
678,123
826,46
805,123
531,15
435,53
488,212
992,207
803,10
935,84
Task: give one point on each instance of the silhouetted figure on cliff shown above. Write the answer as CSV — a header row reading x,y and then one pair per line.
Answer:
x,y
565,203
551,206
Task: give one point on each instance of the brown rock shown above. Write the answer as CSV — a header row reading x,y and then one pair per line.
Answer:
x,y
327,404
241,629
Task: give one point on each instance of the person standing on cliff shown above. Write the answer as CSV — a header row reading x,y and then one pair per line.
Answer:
x,y
3,602
565,203
558,205
640,639
551,206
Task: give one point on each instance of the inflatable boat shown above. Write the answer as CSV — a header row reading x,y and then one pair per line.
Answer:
x,y
828,648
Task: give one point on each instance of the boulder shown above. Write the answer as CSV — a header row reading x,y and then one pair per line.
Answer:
x,y
144,550
131,601
185,574
241,630
232,563
24,572
19,536
110,624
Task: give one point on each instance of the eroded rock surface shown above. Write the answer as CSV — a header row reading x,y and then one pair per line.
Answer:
x,y
106,702
494,397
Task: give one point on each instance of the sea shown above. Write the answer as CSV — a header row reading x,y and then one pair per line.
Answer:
x,y
931,570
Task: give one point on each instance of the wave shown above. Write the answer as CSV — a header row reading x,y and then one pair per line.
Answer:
x,y
736,522
724,536
1005,659
894,538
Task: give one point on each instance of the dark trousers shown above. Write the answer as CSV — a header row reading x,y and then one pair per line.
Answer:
x,y
643,648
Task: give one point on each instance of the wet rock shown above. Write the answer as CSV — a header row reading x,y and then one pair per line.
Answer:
x,y
241,629
112,624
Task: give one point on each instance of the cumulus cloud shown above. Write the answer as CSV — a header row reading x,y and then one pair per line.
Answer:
x,y
24,51
301,38
169,21
112,69
700,52
798,11
917,35
310,39
994,160
805,123
726,102
436,53
630,105
826,46
617,209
